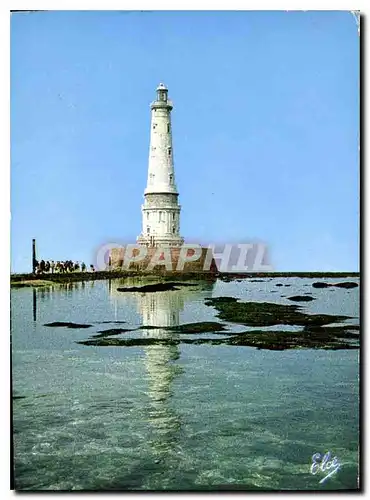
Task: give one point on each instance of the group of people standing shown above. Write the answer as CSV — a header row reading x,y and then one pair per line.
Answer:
x,y
67,266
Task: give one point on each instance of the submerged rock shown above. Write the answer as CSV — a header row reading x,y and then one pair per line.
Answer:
x,y
277,340
346,284
147,341
301,298
320,284
157,287
312,337
151,327
220,300
348,330
202,327
112,331
187,328
342,337
142,342
67,324
268,313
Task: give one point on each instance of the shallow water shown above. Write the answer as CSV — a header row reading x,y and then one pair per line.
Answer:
x,y
178,417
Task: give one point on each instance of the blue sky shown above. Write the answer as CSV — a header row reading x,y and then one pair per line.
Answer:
x,y
265,130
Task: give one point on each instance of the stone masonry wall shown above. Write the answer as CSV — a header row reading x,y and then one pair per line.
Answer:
x,y
118,254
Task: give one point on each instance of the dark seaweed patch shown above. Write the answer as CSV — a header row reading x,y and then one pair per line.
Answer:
x,y
320,284
67,324
220,300
319,338
157,287
301,298
141,342
112,331
268,314
346,284
202,327
296,340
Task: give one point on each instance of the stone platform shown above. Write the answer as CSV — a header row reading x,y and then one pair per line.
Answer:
x,y
163,259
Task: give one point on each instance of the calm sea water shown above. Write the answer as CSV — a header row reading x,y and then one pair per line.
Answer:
x,y
179,417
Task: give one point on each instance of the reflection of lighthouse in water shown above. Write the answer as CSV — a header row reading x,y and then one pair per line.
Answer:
x,y
163,309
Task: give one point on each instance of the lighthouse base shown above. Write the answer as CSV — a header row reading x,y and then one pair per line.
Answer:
x,y
162,259
160,241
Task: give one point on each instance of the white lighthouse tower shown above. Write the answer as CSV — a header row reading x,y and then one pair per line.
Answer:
x,y
161,211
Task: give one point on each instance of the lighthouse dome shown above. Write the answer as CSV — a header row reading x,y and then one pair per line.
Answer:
x,y
162,86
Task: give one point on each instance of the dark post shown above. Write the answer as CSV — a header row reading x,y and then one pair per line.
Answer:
x,y
34,303
33,256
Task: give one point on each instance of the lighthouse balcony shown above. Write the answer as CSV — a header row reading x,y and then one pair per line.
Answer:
x,y
161,189
162,104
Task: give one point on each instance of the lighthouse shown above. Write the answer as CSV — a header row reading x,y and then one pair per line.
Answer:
x,y
161,210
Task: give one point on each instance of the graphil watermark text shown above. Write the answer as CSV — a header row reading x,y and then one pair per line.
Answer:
x,y
228,257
